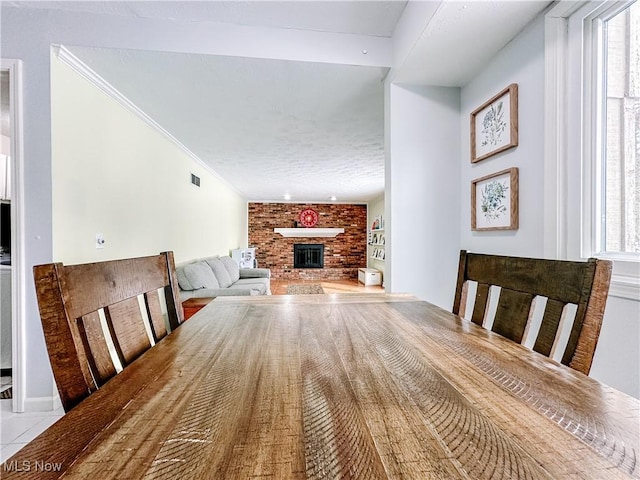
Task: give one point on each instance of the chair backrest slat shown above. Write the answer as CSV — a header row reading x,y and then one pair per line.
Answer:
x,y
549,327
100,360
70,299
154,311
512,314
480,305
584,284
126,325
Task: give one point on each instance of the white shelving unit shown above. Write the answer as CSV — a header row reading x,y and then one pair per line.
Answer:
x,y
377,239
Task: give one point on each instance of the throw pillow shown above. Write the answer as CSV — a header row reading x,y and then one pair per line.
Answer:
x,y
182,279
232,268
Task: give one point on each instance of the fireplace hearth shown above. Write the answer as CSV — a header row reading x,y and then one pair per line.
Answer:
x,y
307,255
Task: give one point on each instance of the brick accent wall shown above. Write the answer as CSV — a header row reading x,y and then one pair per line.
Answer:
x,y
343,255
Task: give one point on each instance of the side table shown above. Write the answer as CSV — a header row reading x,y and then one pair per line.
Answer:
x,y
192,305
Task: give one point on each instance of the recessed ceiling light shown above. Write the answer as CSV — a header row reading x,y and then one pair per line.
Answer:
x,y
287,196
364,52
333,198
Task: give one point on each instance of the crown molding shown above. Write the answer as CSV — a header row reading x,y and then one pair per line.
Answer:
x,y
77,65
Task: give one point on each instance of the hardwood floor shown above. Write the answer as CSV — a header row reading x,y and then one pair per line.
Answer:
x,y
279,287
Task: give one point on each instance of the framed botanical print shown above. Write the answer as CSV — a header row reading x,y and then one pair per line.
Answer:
x,y
494,125
494,201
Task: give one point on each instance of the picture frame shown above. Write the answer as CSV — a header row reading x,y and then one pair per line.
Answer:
x,y
494,124
494,201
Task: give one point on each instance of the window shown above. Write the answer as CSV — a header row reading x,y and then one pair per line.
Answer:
x,y
592,136
618,161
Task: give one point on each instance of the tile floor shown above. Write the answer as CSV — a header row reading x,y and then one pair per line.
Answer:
x,y
17,429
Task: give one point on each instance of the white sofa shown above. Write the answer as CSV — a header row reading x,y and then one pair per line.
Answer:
x,y
220,276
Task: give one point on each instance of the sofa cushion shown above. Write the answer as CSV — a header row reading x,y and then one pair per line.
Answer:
x,y
182,279
220,271
220,292
200,275
243,290
232,268
259,284
232,292
255,273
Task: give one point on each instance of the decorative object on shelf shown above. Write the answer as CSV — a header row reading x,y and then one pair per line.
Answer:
x,y
376,238
244,257
308,217
494,201
494,125
378,223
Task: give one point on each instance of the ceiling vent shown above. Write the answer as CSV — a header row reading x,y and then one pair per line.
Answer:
x,y
195,180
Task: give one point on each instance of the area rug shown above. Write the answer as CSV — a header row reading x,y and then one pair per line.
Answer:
x,y
304,289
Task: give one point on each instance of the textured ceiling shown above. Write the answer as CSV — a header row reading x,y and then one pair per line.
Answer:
x,y
270,127
274,127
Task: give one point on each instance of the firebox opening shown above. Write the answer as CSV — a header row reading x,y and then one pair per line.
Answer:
x,y
308,255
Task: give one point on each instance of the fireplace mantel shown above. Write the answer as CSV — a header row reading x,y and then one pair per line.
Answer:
x,y
309,232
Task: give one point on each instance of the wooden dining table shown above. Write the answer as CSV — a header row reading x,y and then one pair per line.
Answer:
x,y
369,386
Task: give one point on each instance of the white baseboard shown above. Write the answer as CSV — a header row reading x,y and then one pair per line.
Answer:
x,y
42,404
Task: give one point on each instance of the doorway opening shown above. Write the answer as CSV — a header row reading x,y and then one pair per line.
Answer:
x,y
12,365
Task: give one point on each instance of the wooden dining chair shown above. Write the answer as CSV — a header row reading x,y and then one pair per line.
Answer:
x,y
96,316
521,280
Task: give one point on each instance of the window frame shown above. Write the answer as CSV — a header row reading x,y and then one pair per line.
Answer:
x,y
597,53
573,57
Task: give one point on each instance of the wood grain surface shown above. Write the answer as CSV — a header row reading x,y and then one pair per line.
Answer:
x,y
340,386
521,282
71,301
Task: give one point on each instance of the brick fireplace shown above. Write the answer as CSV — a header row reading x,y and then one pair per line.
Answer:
x,y
343,254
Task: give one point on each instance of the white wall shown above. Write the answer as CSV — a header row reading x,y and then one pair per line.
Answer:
x,y
114,174
422,191
617,357
521,62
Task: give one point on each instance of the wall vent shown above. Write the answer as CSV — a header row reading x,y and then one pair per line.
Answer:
x,y
195,180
